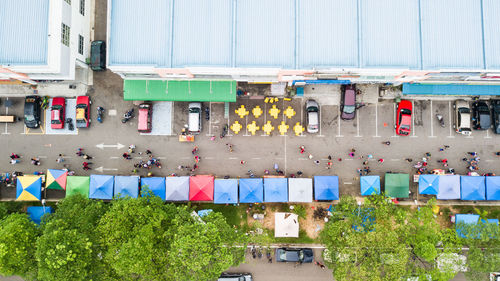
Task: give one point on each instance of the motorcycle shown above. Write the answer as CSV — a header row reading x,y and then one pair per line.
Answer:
x,y
128,115
100,112
224,131
440,119
69,121
207,113
45,102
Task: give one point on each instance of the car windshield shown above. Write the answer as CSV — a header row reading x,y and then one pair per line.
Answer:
x,y
81,106
312,109
194,110
349,108
405,111
55,122
29,117
282,255
463,110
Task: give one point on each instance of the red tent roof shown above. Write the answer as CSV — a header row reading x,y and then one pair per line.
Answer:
x,y
201,188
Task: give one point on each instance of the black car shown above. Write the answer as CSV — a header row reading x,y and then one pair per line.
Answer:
x,y
32,111
495,112
98,55
294,255
481,118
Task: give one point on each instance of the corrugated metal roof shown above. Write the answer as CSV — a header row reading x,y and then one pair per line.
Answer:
x,y
23,32
304,34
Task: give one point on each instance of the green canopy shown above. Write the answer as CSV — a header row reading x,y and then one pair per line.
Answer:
x,y
179,90
77,184
397,185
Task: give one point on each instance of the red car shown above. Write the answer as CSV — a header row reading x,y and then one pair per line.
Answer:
x,y
57,113
403,118
83,111
144,124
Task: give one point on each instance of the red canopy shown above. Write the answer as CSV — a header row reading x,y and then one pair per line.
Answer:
x,y
201,188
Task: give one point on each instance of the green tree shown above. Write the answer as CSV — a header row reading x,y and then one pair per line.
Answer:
x,y
68,248
136,234
203,249
18,236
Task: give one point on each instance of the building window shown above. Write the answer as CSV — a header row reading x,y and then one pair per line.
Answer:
x,y
80,44
68,1
82,7
65,34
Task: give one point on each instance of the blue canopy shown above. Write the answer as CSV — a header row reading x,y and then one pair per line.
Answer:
x,y
493,188
469,219
251,191
226,191
155,184
326,188
449,187
275,190
36,213
473,188
101,187
370,185
127,186
428,184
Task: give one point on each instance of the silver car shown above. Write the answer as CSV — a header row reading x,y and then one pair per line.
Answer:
x,y
462,117
312,109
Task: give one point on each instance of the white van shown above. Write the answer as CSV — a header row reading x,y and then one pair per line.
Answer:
x,y
194,118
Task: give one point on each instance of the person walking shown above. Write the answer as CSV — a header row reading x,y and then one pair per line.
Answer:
x,y
86,166
131,148
329,165
302,149
195,149
316,162
87,157
381,160
242,162
14,161
197,159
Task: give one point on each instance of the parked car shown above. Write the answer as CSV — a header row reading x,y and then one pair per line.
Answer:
x,y
235,277
462,117
83,111
145,112
481,118
348,102
32,111
98,55
302,255
495,113
312,109
58,113
403,118
194,118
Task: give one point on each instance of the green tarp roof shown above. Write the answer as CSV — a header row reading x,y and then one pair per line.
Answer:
x,y
77,184
185,90
397,185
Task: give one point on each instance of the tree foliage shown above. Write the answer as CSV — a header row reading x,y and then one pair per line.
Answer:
x,y
381,241
17,246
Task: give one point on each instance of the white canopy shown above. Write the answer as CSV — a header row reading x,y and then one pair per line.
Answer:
x,y
286,225
300,190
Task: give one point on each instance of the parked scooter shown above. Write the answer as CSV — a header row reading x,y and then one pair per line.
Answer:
x,y
69,121
128,115
207,113
224,131
100,113
440,119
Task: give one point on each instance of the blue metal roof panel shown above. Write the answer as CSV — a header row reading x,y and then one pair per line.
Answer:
x,y
390,34
265,33
327,34
491,21
204,37
140,32
451,34
24,32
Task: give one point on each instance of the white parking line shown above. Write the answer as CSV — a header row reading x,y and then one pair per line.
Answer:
x,y
449,118
357,125
114,157
6,113
376,120
256,158
209,158
413,119
432,125
210,119
233,158
319,122
487,134
394,121
338,122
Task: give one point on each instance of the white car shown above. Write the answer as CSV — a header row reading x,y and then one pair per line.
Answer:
x,y
312,109
194,118
462,117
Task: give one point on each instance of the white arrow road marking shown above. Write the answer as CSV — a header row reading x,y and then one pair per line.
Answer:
x,y
102,169
117,145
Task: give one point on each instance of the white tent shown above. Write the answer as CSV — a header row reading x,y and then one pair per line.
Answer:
x,y
286,225
300,190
